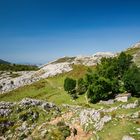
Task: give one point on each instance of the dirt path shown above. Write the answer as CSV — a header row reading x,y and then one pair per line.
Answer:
x,y
64,117
81,135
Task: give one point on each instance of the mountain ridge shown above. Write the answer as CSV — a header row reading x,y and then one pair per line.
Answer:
x,y
4,62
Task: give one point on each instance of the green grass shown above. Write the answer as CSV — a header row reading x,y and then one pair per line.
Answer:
x,y
116,129
50,89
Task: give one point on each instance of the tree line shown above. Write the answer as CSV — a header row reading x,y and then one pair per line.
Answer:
x,y
112,76
17,67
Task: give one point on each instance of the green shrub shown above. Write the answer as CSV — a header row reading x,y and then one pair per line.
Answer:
x,y
69,84
132,81
81,86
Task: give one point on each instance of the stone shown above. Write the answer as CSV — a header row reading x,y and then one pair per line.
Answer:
x,y
138,129
107,102
2,138
28,138
24,126
5,112
35,115
6,105
127,138
131,105
110,109
47,105
43,133
99,125
135,115
88,115
123,97
31,102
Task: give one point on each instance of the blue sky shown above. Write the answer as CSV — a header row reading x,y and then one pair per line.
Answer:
x,y
38,31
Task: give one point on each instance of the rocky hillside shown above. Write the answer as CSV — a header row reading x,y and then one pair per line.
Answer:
x,y
61,65
85,60
8,83
58,66
31,119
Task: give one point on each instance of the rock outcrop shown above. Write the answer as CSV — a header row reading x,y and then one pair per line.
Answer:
x,y
86,60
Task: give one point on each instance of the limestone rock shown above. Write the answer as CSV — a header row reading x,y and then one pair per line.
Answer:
x,y
127,138
87,115
99,125
131,105
107,102
31,102
123,97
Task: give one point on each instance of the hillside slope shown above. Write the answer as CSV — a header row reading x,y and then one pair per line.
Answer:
x,y
42,110
50,89
135,51
4,62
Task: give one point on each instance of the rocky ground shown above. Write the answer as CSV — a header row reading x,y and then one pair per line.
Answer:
x,y
32,119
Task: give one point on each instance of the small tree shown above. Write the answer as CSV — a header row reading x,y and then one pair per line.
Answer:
x,y
69,86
